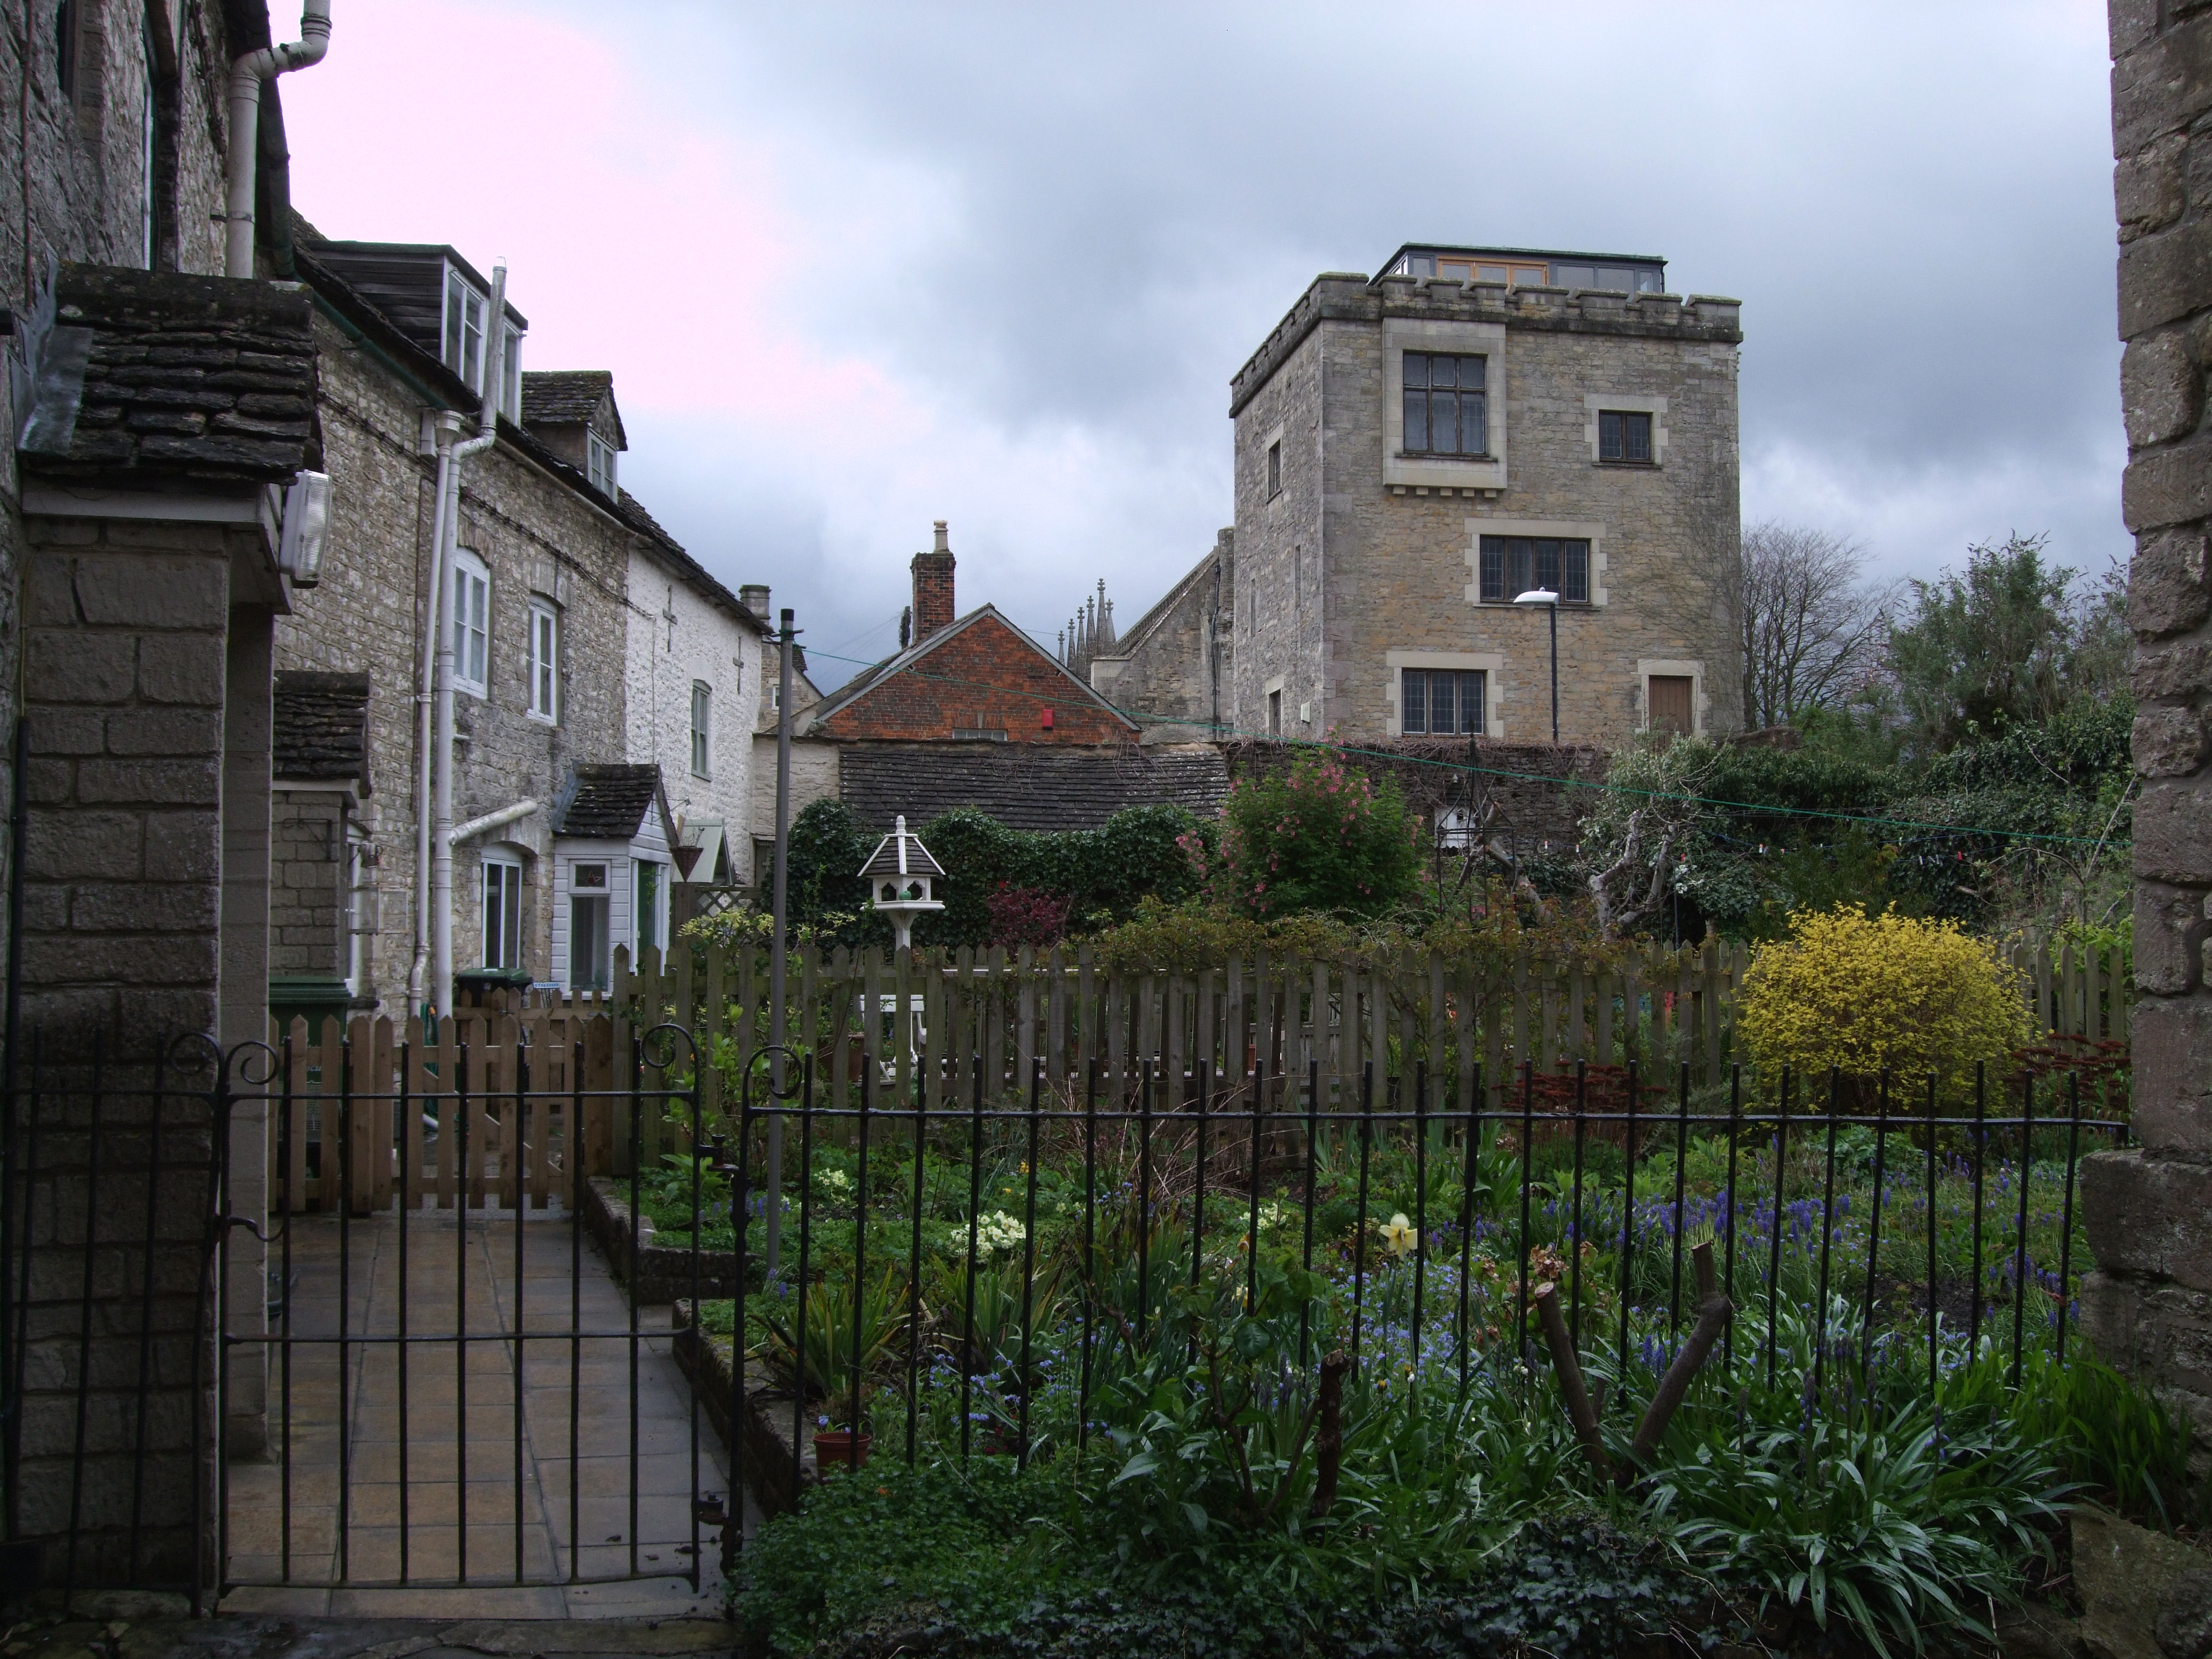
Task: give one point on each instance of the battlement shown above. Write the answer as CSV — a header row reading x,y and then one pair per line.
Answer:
x,y
1343,296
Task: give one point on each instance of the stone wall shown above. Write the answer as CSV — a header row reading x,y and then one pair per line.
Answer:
x,y
544,541
306,884
1174,663
1353,558
1527,811
678,635
2148,1306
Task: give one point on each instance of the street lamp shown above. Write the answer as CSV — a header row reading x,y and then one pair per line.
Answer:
x,y
1544,596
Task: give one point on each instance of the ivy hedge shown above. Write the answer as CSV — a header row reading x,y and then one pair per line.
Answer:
x,y
1100,874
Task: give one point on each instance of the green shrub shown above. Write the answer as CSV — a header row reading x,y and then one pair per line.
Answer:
x,y
1318,837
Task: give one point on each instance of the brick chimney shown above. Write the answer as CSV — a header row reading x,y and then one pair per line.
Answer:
x,y
933,588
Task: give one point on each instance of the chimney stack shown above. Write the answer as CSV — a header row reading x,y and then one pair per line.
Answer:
x,y
932,587
754,597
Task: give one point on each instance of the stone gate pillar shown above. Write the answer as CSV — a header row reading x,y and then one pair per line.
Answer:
x,y
2148,1306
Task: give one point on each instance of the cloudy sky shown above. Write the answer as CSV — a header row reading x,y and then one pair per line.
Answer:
x,y
859,267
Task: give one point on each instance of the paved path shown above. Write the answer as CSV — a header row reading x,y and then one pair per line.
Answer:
x,y
533,1508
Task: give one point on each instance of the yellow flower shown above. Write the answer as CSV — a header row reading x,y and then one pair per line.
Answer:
x,y
1398,1235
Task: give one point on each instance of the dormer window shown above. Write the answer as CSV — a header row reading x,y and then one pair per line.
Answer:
x,y
599,463
464,330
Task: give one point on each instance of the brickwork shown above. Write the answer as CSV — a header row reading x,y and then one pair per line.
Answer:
x,y
933,606
2148,1306
982,675
1341,567
543,542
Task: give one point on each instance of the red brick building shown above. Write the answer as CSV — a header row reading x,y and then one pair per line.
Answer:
x,y
975,677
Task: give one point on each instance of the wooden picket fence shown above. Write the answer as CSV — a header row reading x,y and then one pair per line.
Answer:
x,y
935,1013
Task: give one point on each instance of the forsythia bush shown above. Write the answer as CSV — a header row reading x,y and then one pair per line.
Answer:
x,y
1864,992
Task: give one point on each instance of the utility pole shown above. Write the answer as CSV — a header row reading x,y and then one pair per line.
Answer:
x,y
775,950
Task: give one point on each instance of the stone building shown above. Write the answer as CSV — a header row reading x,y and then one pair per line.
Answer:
x,y
585,635
2148,1306
1415,451
158,516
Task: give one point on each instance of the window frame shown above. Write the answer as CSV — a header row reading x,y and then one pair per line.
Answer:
x,y
468,566
599,470
702,730
648,909
597,898
542,693
461,331
1508,565
1427,393
1463,681
1623,423
1275,469
500,874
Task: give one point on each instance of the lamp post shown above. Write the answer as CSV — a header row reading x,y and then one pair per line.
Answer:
x,y
1545,597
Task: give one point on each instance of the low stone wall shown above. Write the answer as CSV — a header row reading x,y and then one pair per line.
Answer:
x,y
661,1272
1539,789
763,1447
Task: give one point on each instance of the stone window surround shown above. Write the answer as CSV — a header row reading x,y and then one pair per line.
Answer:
x,y
1629,403
1490,664
1583,530
1273,437
1273,689
1693,668
1404,334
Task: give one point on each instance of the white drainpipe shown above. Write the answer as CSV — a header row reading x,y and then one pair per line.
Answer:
x,y
247,75
441,737
447,424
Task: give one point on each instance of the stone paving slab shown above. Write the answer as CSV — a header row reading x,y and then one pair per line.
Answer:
x,y
162,1631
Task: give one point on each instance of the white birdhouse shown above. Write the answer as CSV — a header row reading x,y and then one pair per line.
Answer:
x,y
898,873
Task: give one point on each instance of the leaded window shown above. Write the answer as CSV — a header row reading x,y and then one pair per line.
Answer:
x,y
1447,405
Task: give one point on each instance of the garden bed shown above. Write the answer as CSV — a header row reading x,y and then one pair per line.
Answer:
x,y
661,1272
762,1446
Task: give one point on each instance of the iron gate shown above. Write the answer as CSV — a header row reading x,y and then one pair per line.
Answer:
x,y
450,1386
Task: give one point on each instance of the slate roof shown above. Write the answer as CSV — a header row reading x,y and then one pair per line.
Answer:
x,y
568,397
606,803
1027,786
321,726
149,377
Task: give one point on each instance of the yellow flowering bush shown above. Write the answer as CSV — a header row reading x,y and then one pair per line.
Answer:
x,y
1865,993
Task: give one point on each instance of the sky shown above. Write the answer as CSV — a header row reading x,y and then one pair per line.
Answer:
x,y
859,267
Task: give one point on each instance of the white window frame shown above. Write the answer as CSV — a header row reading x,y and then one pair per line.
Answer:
x,y
702,729
599,975
510,375
542,701
648,912
470,617
461,333
599,463
508,882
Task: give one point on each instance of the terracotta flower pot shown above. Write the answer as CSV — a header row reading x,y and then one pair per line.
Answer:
x,y
840,1449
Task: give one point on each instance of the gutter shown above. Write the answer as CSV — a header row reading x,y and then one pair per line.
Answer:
x,y
475,827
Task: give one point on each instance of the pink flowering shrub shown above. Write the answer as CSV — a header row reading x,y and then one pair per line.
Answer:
x,y
1316,838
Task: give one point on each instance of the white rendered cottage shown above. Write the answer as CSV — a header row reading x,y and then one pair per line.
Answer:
x,y
613,838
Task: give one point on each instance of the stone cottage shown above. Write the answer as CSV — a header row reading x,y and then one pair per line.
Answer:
x,y
584,635
1415,451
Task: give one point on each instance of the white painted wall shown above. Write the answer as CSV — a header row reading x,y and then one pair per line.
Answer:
x,y
677,634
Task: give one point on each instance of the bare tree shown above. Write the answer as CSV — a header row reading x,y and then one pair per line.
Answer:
x,y
1810,622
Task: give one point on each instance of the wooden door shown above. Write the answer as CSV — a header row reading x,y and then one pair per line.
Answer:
x,y
1670,703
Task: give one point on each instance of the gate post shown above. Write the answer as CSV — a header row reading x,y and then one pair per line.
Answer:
x,y
2148,1211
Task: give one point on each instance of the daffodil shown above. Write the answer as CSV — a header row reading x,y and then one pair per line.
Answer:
x,y
1398,1235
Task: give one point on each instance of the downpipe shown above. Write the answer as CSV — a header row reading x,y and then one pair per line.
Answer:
x,y
449,427
247,75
